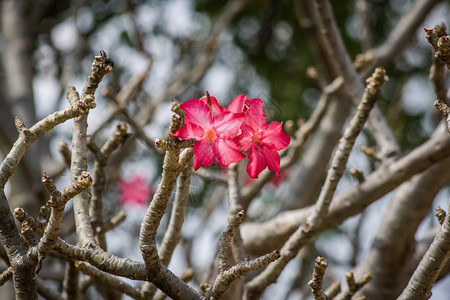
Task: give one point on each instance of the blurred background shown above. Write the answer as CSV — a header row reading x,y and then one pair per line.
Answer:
x,y
176,50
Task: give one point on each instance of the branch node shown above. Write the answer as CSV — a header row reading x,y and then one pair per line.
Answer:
x,y
440,215
357,174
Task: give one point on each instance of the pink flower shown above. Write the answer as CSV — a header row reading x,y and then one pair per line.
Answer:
x,y
134,191
261,140
222,132
215,130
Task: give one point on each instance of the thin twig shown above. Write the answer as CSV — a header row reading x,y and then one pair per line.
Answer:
x,y
234,206
57,203
317,279
124,96
444,109
437,67
228,273
101,158
70,282
109,280
6,275
115,221
354,286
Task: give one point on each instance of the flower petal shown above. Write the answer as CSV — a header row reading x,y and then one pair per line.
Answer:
x,y
237,106
227,124
256,163
274,136
217,109
272,159
196,112
204,155
189,131
254,116
245,138
227,152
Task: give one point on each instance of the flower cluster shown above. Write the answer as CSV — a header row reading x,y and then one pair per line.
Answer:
x,y
225,133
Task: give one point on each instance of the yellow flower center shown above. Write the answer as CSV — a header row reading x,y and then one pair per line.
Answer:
x,y
210,135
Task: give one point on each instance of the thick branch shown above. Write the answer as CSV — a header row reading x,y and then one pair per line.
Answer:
x,y
173,232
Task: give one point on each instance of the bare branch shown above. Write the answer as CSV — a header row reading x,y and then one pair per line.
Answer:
x,y
173,232
100,67
440,42
227,273
444,110
423,279
440,215
57,203
354,286
96,203
400,36
317,278
111,281
5,276
47,291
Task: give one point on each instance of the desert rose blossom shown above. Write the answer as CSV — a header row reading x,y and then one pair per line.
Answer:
x,y
134,191
262,140
215,130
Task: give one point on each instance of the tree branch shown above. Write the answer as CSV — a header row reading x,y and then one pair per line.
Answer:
x,y
100,67
390,256
316,282
227,273
96,203
109,280
423,279
444,110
